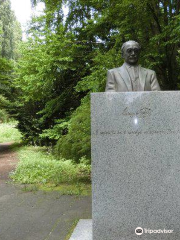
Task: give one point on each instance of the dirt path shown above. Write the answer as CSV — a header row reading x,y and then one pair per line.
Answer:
x,y
8,161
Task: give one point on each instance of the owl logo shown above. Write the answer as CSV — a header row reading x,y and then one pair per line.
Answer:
x,y
138,231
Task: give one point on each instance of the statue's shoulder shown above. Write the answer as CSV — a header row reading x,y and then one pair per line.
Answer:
x,y
115,69
150,71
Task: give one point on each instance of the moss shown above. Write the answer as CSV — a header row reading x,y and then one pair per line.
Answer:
x,y
72,229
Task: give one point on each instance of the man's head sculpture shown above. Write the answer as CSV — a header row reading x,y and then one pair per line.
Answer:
x,y
130,52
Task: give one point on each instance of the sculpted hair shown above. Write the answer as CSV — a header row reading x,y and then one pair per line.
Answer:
x,y
128,42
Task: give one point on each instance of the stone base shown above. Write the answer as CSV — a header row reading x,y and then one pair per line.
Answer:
x,y
83,230
136,165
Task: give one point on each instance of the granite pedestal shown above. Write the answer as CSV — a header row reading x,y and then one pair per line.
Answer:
x,y
83,230
136,165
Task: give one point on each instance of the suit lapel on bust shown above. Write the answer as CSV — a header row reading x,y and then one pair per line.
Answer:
x,y
125,76
142,77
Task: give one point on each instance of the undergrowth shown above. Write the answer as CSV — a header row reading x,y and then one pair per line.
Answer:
x,y
38,166
8,132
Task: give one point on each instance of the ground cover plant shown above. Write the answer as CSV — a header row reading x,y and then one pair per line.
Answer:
x,y
39,166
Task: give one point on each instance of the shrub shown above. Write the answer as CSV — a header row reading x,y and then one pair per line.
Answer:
x,y
77,142
4,117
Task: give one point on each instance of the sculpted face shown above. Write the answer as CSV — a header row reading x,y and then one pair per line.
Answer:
x,y
131,53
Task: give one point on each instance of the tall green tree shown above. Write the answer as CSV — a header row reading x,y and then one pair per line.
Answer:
x,y
11,31
10,37
155,24
67,57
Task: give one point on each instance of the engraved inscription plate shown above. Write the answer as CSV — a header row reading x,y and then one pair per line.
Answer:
x,y
136,165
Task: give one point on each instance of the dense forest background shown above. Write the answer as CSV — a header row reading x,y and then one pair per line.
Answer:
x,y
46,81
10,38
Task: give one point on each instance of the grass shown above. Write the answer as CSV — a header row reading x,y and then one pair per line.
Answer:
x,y
82,189
76,189
38,169
8,132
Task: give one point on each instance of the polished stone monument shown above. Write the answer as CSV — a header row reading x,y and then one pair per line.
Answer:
x,y
136,165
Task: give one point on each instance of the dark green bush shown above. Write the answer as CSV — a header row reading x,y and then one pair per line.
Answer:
x,y
76,143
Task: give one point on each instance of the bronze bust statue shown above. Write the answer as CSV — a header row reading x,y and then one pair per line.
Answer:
x,y
131,77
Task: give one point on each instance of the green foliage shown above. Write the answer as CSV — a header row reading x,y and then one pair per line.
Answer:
x,y
79,189
11,33
6,67
10,36
76,143
8,131
66,58
95,82
47,73
38,166
56,132
4,103
3,116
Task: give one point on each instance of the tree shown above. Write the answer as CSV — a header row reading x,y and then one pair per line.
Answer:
x,y
66,58
10,36
6,23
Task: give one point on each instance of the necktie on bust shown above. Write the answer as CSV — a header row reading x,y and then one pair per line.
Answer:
x,y
134,76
